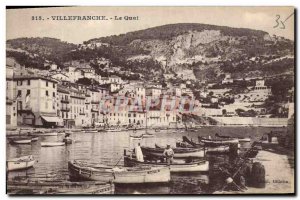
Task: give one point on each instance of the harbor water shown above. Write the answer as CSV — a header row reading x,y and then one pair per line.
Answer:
x,y
108,147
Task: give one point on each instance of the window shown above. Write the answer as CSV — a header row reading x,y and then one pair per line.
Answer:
x,y
53,85
53,94
8,119
28,82
47,93
46,83
129,115
28,92
19,93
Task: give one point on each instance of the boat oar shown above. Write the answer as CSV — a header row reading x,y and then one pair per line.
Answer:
x,y
118,161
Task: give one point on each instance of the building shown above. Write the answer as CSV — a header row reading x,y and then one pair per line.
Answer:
x,y
115,79
227,79
160,118
113,87
74,74
36,101
259,93
63,106
77,107
11,105
96,96
60,77
153,91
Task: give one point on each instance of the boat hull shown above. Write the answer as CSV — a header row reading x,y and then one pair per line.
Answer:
x,y
202,166
44,134
52,144
178,152
245,140
219,149
25,141
78,173
208,142
120,176
24,162
155,175
34,139
64,188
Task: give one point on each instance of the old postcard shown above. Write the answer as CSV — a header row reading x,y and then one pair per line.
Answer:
x,y
150,100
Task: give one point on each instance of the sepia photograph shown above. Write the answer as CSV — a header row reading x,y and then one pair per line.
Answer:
x,y
154,100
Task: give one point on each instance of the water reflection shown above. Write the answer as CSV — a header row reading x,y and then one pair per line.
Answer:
x,y
107,148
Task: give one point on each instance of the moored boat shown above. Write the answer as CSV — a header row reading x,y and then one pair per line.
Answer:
x,y
176,166
216,142
123,175
136,137
115,130
34,138
240,139
91,131
147,135
50,134
52,144
178,152
23,162
209,149
20,140
42,133
57,187
244,139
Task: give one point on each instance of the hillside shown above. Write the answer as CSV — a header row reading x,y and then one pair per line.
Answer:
x,y
38,49
206,51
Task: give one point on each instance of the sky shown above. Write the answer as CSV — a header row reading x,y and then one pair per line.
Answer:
x,y
19,22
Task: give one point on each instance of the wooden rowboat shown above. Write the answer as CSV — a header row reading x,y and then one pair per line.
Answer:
x,y
241,139
34,138
61,188
123,175
20,140
136,137
52,144
176,166
23,162
40,133
208,149
217,142
178,152
147,135
91,131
